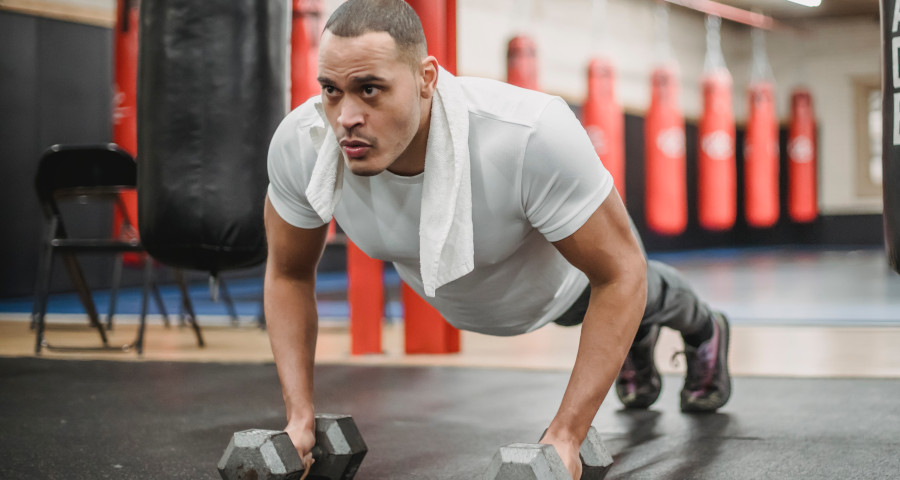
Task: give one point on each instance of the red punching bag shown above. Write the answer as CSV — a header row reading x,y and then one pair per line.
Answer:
x,y
761,197
761,158
802,197
603,120
306,27
125,110
521,62
716,171
664,165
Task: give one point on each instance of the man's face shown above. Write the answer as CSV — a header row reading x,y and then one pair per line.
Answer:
x,y
371,99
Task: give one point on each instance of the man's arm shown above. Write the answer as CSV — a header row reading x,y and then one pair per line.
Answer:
x,y
292,319
605,249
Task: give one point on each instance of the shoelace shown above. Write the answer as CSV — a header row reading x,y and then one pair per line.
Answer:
x,y
702,372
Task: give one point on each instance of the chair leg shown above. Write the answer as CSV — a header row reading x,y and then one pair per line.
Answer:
x,y
114,290
45,262
229,304
160,304
84,293
41,294
188,306
145,293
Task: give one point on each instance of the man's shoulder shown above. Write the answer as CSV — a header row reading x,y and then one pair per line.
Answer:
x,y
293,147
306,115
503,102
296,130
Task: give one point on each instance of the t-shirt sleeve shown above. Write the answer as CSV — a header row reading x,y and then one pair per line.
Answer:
x,y
290,163
563,180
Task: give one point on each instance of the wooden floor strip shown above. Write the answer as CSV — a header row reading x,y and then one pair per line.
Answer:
x,y
755,350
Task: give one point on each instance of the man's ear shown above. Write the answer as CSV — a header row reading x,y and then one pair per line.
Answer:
x,y
429,72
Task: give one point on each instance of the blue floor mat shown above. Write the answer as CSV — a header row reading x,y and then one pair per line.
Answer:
x,y
246,294
754,286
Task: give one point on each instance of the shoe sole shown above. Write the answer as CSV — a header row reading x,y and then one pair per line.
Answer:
x,y
715,402
643,403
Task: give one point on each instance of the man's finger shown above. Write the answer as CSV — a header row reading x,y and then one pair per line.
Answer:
x,y
307,460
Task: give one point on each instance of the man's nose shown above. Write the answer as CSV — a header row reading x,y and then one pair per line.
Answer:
x,y
352,114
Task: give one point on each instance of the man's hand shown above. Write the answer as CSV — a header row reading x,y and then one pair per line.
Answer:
x,y
304,439
568,451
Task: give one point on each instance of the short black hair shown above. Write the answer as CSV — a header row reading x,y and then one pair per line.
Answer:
x,y
356,17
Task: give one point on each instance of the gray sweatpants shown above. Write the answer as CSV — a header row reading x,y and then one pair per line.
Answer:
x,y
670,301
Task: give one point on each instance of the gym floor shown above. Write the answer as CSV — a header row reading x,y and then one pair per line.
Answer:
x,y
814,354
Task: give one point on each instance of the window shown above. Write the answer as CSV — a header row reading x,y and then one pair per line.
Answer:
x,y
868,137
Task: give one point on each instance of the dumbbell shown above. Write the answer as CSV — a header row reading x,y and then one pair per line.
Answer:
x,y
535,461
270,454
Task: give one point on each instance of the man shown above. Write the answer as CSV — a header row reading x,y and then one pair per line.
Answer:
x,y
493,206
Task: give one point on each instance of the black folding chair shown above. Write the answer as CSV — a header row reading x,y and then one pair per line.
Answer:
x,y
88,173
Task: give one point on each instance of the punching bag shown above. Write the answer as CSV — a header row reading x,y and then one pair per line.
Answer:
x,y
716,171
761,158
211,92
306,28
604,121
125,45
761,197
521,62
802,159
890,152
665,186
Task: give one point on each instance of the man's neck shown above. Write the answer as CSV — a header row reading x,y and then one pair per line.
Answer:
x,y
412,161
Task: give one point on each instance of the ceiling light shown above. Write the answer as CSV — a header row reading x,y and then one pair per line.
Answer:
x,y
808,3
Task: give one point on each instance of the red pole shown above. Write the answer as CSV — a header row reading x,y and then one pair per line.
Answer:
x,y
125,109
365,294
305,31
426,330
451,36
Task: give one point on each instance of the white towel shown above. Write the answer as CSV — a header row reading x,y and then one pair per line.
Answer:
x,y
446,245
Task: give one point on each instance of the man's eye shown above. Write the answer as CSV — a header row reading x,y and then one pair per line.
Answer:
x,y
329,90
369,90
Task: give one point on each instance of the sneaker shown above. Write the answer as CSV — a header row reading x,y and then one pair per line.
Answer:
x,y
639,383
707,385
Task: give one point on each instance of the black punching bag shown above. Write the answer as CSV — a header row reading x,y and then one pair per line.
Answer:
x,y
211,91
890,152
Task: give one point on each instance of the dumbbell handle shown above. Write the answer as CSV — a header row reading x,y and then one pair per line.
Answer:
x,y
317,452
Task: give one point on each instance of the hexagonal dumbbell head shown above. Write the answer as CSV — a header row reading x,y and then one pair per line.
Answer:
x,y
270,454
526,461
595,458
260,455
340,446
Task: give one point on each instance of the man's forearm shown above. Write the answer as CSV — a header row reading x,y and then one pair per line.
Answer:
x,y
292,324
612,318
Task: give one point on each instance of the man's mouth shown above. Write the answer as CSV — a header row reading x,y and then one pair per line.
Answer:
x,y
355,148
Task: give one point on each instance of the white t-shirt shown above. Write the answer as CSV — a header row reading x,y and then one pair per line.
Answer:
x,y
535,179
